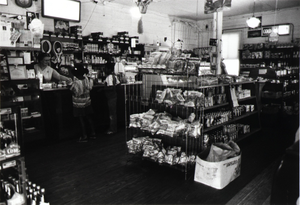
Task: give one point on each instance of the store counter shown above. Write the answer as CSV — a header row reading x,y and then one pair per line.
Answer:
x,y
58,111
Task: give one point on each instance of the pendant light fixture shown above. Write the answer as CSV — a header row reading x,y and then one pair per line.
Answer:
x,y
253,22
142,6
274,36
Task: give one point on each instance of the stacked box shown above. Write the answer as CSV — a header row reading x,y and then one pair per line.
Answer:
x,y
123,37
4,113
123,33
243,129
134,40
97,36
76,31
87,38
115,39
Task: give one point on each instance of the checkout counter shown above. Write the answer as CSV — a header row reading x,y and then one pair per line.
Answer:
x,y
59,121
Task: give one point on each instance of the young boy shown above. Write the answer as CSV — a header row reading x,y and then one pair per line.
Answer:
x,y
82,108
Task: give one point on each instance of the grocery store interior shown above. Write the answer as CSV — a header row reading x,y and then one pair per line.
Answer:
x,y
191,102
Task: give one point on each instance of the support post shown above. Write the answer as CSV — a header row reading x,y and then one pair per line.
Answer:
x,y
219,22
217,34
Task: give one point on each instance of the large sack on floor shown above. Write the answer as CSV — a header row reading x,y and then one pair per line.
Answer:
x,y
216,174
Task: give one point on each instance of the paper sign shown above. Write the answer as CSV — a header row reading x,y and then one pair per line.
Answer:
x,y
15,60
233,97
27,58
18,72
262,71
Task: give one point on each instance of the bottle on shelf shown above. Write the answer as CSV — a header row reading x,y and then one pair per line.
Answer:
x,y
33,187
42,198
29,196
38,189
34,199
42,195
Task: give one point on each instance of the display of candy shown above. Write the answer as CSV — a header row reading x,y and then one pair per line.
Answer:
x,y
173,96
163,124
193,98
153,149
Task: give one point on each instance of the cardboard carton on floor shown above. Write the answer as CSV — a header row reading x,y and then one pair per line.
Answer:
x,y
216,174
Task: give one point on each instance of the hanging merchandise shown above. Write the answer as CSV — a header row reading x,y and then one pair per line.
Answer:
x,y
37,28
24,3
57,50
140,26
142,5
212,6
274,37
46,46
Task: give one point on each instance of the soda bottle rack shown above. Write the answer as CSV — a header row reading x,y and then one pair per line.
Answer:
x,y
14,180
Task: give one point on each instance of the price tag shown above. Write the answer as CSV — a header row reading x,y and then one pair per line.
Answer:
x,y
9,164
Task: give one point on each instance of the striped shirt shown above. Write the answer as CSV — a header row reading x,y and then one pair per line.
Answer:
x,y
81,92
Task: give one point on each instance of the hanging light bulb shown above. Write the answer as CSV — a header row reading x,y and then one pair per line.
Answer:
x,y
253,22
135,12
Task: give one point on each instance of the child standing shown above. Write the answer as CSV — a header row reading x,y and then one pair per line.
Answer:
x,y
111,82
82,108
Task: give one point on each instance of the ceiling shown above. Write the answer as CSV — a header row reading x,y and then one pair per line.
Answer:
x,y
194,9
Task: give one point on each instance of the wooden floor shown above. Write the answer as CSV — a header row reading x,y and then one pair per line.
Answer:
x,y
101,172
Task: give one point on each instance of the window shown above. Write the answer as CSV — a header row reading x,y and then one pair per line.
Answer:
x,y
230,52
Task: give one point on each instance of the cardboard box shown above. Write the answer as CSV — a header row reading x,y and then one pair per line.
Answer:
x,y
216,174
5,111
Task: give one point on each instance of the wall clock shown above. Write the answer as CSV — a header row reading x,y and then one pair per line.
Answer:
x,y
24,3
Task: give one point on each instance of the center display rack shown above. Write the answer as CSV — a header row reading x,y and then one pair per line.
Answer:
x,y
172,133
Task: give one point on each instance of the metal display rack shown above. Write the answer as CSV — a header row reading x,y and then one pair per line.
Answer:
x,y
138,99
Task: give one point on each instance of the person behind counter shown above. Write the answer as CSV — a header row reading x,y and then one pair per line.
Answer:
x,y
111,94
82,108
48,73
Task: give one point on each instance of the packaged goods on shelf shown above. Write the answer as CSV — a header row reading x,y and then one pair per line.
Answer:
x,y
153,149
164,124
24,111
243,94
207,80
243,129
172,96
97,35
5,112
70,46
9,144
216,118
242,109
